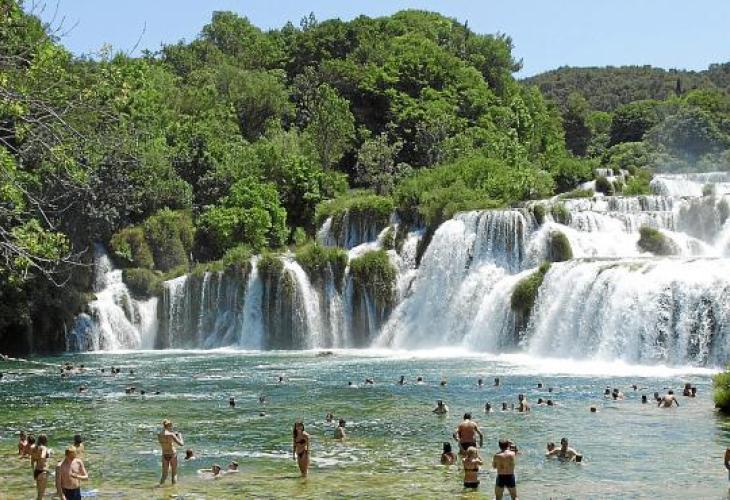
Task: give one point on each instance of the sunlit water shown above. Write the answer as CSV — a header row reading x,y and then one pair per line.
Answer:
x,y
631,450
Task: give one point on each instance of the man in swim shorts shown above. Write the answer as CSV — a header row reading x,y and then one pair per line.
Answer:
x,y
69,475
464,434
504,462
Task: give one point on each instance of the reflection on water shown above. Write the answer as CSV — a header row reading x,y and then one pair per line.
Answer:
x,y
394,439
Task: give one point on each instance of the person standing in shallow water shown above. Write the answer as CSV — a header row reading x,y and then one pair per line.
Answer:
x,y
471,463
39,463
300,447
168,438
465,434
69,475
504,462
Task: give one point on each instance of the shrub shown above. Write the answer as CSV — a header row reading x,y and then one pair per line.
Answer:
x,y
652,240
170,236
360,203
525,292
578,193
603,185
721,395
315,260
559,249
570,172
238,257
374,272
560,213
638,184
130,248
708,190
142,282
389,239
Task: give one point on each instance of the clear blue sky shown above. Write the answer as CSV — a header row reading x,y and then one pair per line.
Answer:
x,y
546,33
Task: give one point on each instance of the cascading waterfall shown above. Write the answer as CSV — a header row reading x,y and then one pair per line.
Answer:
x,y
114,320
610,301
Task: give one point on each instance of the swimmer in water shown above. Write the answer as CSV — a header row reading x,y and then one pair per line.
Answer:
x,y
231,402
233,466
666,401
402,380
215,471
480,383
564,452
168,438
496,381
487,408
300,447
448,457
340,430
419,380
522,407
189,454
443,383
441,408
643,399
471,463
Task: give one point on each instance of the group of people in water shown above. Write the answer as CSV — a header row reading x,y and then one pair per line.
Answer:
x,y
71,470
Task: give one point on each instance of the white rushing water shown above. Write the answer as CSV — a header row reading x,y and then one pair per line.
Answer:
x,y
611,302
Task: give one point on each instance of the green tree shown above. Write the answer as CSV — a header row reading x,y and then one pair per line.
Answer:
x,y
331,126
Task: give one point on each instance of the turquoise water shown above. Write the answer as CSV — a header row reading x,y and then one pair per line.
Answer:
x,y
394,440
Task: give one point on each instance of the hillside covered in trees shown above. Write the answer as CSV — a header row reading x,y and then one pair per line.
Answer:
x,y
243,140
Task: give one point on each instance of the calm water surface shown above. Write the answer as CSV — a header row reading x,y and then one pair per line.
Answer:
x,y
631,450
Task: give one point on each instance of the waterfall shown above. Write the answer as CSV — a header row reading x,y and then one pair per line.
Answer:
x,y
607,298
114,319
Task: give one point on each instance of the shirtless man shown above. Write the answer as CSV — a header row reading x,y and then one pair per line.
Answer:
x,y
464,434
441,408
504,462
69,475
522,407
168,439
666,401
340,430
564,452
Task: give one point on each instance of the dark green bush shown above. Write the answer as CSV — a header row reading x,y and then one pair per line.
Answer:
x,y
652,240
238,257
721,395
578,193
538,211
374,272
559,249
170,236
315,260
130,248
525,292
270,265
143,282
359,203
603,185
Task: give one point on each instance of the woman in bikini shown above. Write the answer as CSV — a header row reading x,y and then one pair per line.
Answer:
x,y
300,447
168,438
39,463
471,468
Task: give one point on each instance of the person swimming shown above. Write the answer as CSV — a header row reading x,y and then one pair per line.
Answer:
x,y
480,383
487,408
233,466
471,463
564,452
419,380
522,406
300,447
643,399
496,381
189,454
448,457
441,408
402,380
231,402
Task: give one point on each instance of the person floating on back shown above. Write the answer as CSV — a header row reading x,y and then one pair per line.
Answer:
x,y
504,462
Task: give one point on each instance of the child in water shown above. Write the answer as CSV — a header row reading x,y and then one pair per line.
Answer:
x,y
471,462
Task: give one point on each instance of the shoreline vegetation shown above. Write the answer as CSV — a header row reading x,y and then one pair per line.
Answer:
x,y
243,141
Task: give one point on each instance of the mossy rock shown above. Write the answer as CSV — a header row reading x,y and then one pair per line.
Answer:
x,y
374,272
578,193
170,236
270,266
389,239
560,213
559,249
365,204
143,283
538,211
525,292
652,240
316,259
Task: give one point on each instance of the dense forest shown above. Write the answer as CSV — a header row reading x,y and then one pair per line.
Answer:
x,y
241,142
